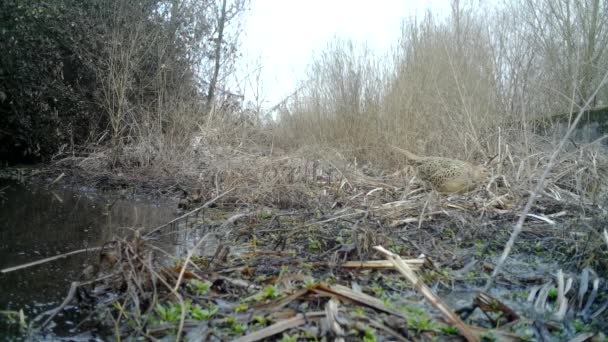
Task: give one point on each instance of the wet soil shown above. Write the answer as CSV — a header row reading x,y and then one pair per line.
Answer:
x,y
38,222
290,250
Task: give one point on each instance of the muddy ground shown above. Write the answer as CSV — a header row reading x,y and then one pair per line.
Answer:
x,y
255,271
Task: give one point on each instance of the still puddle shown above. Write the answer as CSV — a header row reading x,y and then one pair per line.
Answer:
x,y
36,223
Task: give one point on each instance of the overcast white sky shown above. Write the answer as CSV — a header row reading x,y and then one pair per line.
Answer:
x,y
284,34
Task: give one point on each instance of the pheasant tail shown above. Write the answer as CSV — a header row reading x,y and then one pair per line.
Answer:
x,y
408,154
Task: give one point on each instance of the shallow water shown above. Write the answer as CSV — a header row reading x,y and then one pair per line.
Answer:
x,y
36,223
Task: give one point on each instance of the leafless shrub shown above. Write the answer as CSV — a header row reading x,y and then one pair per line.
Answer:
x,y
467,87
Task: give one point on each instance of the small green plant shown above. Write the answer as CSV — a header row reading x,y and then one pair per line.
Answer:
x,y
538,248
287,338
308,335
479,246
234,325
552,293
368,335
198,287
580,326
445,272
422,323
133,323
412,311
261,278
523,294
313,245
270,292
488,336
307,266
527,337
15,317
419,320
471,275
378,291
241,308
239,328
261,320
449,330
561,334
265,215
170,313
331,280
201,314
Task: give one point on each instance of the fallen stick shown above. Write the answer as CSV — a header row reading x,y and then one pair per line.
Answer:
x,y
280,326
343,292
53,312
208,203
415,264
39,262
421,287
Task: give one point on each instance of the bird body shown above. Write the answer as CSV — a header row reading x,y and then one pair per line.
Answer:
x,y
447,175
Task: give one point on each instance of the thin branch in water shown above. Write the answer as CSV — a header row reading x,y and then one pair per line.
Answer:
x,y
49,259
53,312
208,203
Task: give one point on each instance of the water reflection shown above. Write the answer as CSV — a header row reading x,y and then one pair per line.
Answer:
x,y
36,223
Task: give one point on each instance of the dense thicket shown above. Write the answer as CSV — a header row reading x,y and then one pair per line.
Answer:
x,y
46,86
456,84
73,71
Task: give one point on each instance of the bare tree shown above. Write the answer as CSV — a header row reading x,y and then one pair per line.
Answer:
x,y
124,55
571,38
225,48
218,53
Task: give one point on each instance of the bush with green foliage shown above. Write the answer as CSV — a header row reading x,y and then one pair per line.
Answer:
x,y
74,72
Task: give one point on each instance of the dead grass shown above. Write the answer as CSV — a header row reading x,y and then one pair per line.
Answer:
x,y
326,165
327,161
265,263
439,94
435,97
335,209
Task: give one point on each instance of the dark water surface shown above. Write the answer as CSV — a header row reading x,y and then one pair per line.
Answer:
x,y
36,223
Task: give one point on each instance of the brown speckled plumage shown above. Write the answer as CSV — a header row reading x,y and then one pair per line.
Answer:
x,y
447,175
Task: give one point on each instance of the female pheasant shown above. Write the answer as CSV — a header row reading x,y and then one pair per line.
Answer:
x,y
447,175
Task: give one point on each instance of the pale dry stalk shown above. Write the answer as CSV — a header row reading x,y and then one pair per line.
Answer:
x,y
540,185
